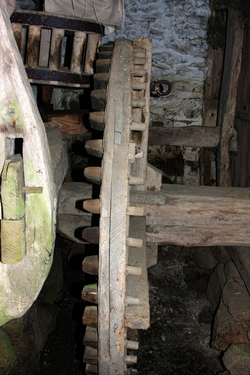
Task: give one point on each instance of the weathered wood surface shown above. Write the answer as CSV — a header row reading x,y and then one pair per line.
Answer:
x,y
191,136
137,317
70,194
70,123
77,52
19,118
90,265
141,102
90,318
90,355
89,293
196,216
154,178
92,44
242,115
228,95
55,21
90,337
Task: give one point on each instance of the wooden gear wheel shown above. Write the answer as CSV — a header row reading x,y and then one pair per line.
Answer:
x,y
122,292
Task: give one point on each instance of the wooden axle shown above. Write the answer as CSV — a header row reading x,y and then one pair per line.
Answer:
x,y
196,215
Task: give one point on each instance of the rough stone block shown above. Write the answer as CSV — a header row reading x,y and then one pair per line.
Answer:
x,y
220,254
237,359
215,285
203,257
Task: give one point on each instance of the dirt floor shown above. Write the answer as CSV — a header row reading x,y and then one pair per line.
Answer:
x,y
178,339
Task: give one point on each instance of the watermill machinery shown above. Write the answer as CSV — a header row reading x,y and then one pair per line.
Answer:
x,y
136,213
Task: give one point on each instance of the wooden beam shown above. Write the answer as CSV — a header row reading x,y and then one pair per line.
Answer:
x,y
228,96
192,136
242,115
196,215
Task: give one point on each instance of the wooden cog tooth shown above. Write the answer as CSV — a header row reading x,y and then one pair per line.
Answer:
x,y
131,270
91,369
139,85
89,293
90,317
94,147
130,360
135,211
90,265
91,234
96,120
90,356
138,126
139,72
134,242
132,345
93,174
139,61
138,103
98,99
130,300
134,180
103,65
140,53
91,339
92,205
101,81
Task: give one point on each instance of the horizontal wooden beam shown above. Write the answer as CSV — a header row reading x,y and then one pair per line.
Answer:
x,y
56,21
196,215
192,136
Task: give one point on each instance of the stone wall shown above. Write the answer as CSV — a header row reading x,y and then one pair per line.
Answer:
x,y
179,33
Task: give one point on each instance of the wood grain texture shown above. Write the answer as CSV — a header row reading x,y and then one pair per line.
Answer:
x,y
228,95
196,216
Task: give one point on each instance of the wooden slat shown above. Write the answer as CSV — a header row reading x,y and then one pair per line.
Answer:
x,y
55,61
228,95
44,48
33,46
92,44
77,51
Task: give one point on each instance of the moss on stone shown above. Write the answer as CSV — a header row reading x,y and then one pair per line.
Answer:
x,y
242,350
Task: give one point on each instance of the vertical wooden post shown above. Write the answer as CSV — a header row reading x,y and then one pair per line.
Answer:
x,y
55,62
77,52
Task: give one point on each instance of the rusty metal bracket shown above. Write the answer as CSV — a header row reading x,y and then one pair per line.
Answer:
x,y
161,88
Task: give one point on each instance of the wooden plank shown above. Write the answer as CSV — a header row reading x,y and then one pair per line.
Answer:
x,y
33,46
12,241
70,194
137,317
77,51
55,21
67,122
90,337
142,97
55,60
204,216
191,136
122,56
92,45
44,48
228,95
